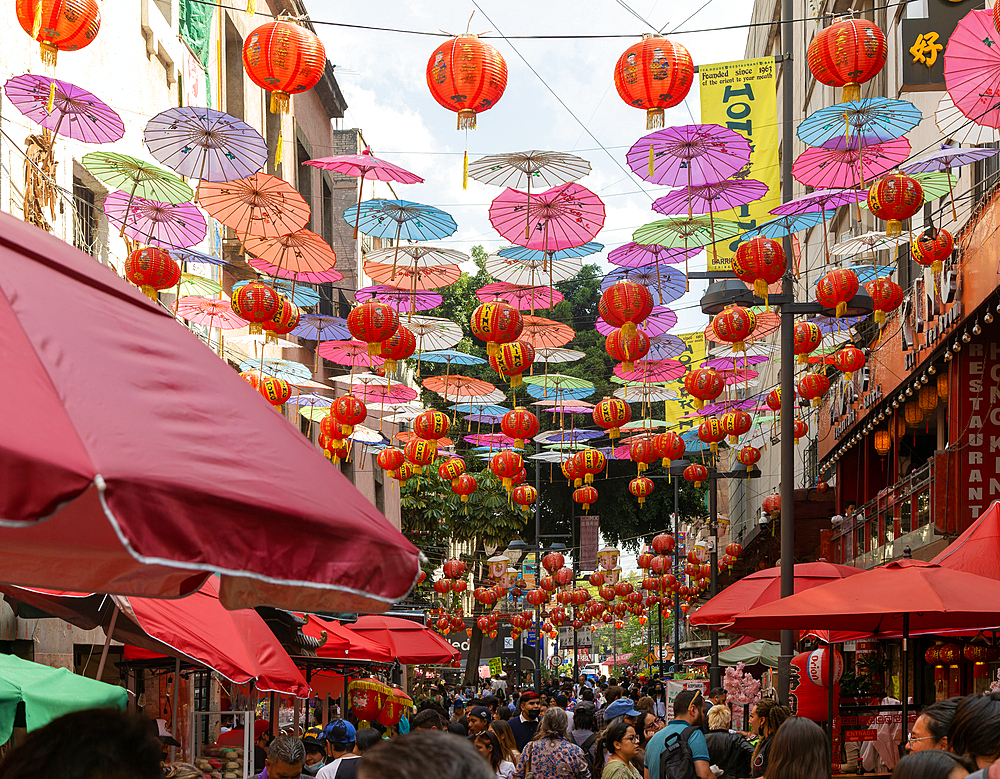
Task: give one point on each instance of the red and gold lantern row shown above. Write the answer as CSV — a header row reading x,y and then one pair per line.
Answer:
x,y
373,323
256,302
711,432
592,462
524,496
847,54
772,505
760,262
390,460
399,346
572,469
668,446
704,385
505,466
626,305
886,295
519,424
513,360
696,473
734,325
334,448
496,323
895,198
806,338
464,486
347,411
611,414
850,359
654,74
275,390
284,58
420,452
736,423
451,468
431,424
59,25
367,697
836,289
932,249
625,349
641,487
748,456
151,270
813,386
643,453
467,76
799,429
586,496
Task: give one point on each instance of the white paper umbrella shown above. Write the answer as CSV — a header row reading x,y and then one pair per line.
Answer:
x,y
532,272
871,241
954,125
649,393
529,169
434,333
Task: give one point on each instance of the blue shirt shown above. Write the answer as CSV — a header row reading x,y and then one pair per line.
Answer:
x,y
655,747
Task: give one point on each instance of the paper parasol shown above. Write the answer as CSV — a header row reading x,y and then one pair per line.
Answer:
x,y
688,154
137,177
521,298
541,332
322,327
166,225
954,126
635,255
292,255
352,353
262,205
402,300
834,169
76,113
209,312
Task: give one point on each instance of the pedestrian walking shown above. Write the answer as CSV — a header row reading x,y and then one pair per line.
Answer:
x,y
930,731
766,719
551,754
583,732
339,735
727,750
975,729
488,745
680,747
616,751
932,764
285,757
526,723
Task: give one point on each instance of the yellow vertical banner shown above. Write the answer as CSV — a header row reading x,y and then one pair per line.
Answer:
x,y
741,96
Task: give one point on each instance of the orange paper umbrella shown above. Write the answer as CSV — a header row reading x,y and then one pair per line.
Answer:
x,y
408,435
259,205
302,251
458,386
415,279
544,333
209,312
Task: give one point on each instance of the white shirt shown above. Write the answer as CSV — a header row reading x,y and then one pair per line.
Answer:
x,y
330,771
505,770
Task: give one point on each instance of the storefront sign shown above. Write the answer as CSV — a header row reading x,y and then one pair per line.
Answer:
x,y
860,735
926,27
589,541
977,433
675,687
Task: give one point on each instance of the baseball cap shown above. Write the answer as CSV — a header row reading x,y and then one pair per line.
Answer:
x,y
529,695
619,708
314,735
482,712
339,731
163,733
585,706
459,703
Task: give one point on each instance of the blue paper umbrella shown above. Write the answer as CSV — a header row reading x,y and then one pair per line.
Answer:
x,y
866,273
560,393
781,226
451,357
483,419
574,436
666,284
524,254
692,443
322,327
480,408
871,120
303,296
827,324
190,255
309,399
401,220
292,372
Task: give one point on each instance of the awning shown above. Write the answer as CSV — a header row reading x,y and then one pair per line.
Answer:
x,y
344,644
409,642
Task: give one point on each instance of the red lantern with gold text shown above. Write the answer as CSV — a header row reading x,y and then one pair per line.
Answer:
x,y
334,448
734,325
772,505
654,74
420,452
696,473
736,423
748,456
373,323
255,302
886,295
813,386
572,469
524,496
585,496
611,414
774,400
513,360
505,466
704,385
592,462
496,323
519,424
399,346
451,468
391,459
464,486
625,349
466,75
641,487
404,472
284,320
836,288
932,250
284,58
799,429
59,25
895,198
850,359
806,338
642,452
431,424
711,432
152,269
761,262
846,54
668,446
626,305
275,390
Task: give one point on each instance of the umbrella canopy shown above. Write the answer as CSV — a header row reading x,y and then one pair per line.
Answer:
x,y
564,216
47,693
76,113
746,652
954,126
404,277
834,168
518,170
545,333
205,144
781,226
684,232
662,347
688,154
138,470
348,352
668,284
261,205
871,241
289,255
711,197
434,333
553,355
870,120
137,177
210,312
401,220
821,200
972,68
344,643
647,371
521,298
301,295
977,550
523,253
322,327
365,166
409,642
402,300
532,271
417,255
458,387
450,357
635,255
150,222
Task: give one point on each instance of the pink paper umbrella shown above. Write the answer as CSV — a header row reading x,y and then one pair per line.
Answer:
x,y
402,300
351,353
493,440
688,154
653,371
76,113
635,255
660,320
737,376
209,312
559,218
521,298
972,69
383,395
832,169
710,198
154,223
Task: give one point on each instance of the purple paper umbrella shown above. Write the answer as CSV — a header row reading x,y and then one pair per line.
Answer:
x,y
635,255
820,200
76,113
688,154
710,198
663,347
732,362
946,158
660,320
150,222
402,300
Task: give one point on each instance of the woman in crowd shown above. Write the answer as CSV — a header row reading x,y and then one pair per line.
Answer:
x,y
617,750
506,737
551,754
930,731
975,729
728,750
799,750
489,747
766,719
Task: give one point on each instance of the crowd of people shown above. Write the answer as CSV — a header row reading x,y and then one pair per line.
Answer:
x,y
586,732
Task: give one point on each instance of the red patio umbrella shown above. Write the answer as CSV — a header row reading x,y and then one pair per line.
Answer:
x,y
410,642
138,462
977,550
344,643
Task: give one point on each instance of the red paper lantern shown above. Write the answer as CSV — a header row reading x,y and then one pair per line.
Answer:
x,y
849,360
454,568
585,496
642,452
736,423
772,505
654,74
748,456
466,75
806,338
496,323
626,349
348,411
625,304
696,473
774,400
59,25
431,424
611,414
572,469
152,269
451,468
836,288
799,429
513,360
505,466
761,262
524,496
734,325
333,447
846,54
284,58
399,346
367,697
464,486
391,459
950,654
641,487
404,472
813,386
275,390
519,424
668,446
373,323
932,250
285,319
420,452
895,198
887,296
734,550
592,462
704,385
663,543
553,561
711,432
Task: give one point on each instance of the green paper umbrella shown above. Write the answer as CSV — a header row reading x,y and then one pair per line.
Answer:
x,y
191,284
137,177
558,381
680,232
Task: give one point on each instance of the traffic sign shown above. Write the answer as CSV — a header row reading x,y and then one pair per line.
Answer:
x,y
651,658
555,661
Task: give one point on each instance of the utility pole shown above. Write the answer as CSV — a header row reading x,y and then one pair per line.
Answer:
x,y
715,672
677,570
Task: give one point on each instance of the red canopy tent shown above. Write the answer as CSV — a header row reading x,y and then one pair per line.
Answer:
x,y
342,643
410,642
136,462
977,550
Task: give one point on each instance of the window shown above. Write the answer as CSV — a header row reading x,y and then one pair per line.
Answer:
x,y
985,174
304,178
379,489
85,219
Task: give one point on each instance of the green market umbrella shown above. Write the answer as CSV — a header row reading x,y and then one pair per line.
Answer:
x,y
47,693
753,653
137,177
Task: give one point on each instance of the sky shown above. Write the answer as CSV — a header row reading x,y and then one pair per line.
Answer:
x,y
569,103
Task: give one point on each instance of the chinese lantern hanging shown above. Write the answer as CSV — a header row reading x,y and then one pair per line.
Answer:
x,y
813,386
275,390
748,456
849,360
641,487
760,262
420,452
886,296
696,473
152,269
572,469
836,289
711,432
932,248
611,414
496,323
283,322
524,496
626,305
59,25
625,349
772,506
846,54
391,459
592,462
519,424
284,58
431,424
505,466
334,448
895,198
799,429
513,360
642,452
586,496
736,423
703,384
883,442
464,486
373,323
468,76
654,74
734,325
668,446
806,338
451,468
399,346
256,302
348,411
774,400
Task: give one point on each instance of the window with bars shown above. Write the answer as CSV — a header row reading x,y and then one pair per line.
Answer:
x,y
85,218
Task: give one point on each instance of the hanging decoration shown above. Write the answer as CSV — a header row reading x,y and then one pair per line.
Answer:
x,y
420,452
704,385
572,469
586,496
799,429
734,325
850,359
373,323
464,486
748,456
283,58
496,323
641,487
466,75
591,462
513,360
255,302
711,432
59,25
152,270
642,452
806,338
625,349
654,74
668,446
611,414
505,466
772,506
524,496
275,390
736,423
348,411
696,473
283,322
847,54
760,262
836,289
895,198
774,400
519,424
813,386
399,346
886,296
626,305
932,248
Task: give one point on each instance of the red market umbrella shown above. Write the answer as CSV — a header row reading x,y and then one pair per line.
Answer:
x,y
138,462
977,550
344,643
409,642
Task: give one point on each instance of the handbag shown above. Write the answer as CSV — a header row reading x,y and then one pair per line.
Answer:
x,y
526,754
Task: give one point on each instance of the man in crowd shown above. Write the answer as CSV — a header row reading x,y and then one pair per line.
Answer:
x,y
718,696
315,748
428,719
339,735
611,694
525,725
479,718
689,714
624,708
285,757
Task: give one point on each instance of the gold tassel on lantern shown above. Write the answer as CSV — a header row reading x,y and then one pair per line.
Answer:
x,y
375,349
893,229
466,119
36,24
255,328
760,289
149,292
465,171
52,97
492,348
879,318
651,169
628,367
629,330
936,267
842,307
654,118
851,92
251,7
515,380
279,102
49,54
278,148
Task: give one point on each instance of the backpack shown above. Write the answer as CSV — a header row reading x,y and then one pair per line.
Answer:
x,y
676,760
585,746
